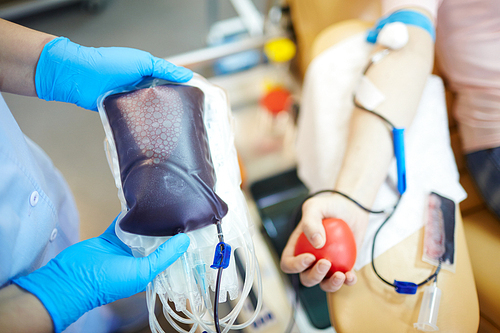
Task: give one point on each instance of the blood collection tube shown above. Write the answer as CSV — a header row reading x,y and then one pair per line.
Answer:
x,y
427,318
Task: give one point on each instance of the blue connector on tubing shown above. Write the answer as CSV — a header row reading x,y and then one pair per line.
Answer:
x,y
404,287
222,256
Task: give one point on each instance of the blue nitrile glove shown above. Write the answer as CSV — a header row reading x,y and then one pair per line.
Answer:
x,y
68,72
95,272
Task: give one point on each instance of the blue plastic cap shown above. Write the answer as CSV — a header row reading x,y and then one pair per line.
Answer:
x,y
222,256
404,287
399,152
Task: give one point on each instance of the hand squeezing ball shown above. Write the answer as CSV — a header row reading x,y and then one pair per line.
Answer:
x,y
339,249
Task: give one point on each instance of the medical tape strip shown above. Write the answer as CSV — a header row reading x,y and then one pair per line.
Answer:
x,y
408,17
368,95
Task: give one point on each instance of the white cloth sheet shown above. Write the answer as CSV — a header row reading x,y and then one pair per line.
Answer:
x,y
322,137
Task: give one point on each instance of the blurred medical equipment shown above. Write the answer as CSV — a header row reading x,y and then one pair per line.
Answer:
x,y
170,148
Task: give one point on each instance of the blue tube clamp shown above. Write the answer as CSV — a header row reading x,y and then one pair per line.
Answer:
x,y
222,256
399,152
403,287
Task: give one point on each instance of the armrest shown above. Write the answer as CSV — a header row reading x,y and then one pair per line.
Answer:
x,y
372,306
483,240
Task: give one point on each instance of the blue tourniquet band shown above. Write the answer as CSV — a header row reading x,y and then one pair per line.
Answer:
x,y
409,17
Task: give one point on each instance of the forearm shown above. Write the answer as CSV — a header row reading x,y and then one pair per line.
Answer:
x,y
20,48
401,77
21,311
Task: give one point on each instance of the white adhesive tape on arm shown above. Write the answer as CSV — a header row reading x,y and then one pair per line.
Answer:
x,y
368,95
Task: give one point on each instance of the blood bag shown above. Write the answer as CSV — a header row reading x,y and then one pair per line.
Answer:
x,y
166,169
170,148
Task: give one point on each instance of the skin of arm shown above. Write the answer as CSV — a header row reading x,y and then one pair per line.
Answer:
x,y
21,311
20,48
401,77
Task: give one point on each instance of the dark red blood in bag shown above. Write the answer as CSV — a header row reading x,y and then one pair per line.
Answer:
x,y
166,169
339,249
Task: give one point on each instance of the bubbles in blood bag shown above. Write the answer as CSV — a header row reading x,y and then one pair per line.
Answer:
x,y
153,117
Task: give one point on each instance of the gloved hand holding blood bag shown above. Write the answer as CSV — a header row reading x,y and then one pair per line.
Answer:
x,y
165,165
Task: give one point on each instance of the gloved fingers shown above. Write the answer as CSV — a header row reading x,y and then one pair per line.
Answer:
x,y
166,254
166,70
316,274
334,283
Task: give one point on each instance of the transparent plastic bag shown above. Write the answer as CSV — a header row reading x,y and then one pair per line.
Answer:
x,y
184,180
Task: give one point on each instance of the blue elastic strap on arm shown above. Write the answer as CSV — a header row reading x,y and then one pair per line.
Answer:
x,y
399,152
409,17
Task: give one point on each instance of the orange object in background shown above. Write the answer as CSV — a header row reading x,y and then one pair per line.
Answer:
x,y
276,100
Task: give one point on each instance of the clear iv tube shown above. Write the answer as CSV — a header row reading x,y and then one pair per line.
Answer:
x,y
153,322
251,268
197,319
250,273
194,317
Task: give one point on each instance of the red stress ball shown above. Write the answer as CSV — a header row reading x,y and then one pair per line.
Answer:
x,y
339,249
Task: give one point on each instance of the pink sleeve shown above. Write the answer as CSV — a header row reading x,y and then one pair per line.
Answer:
x,y
388,6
